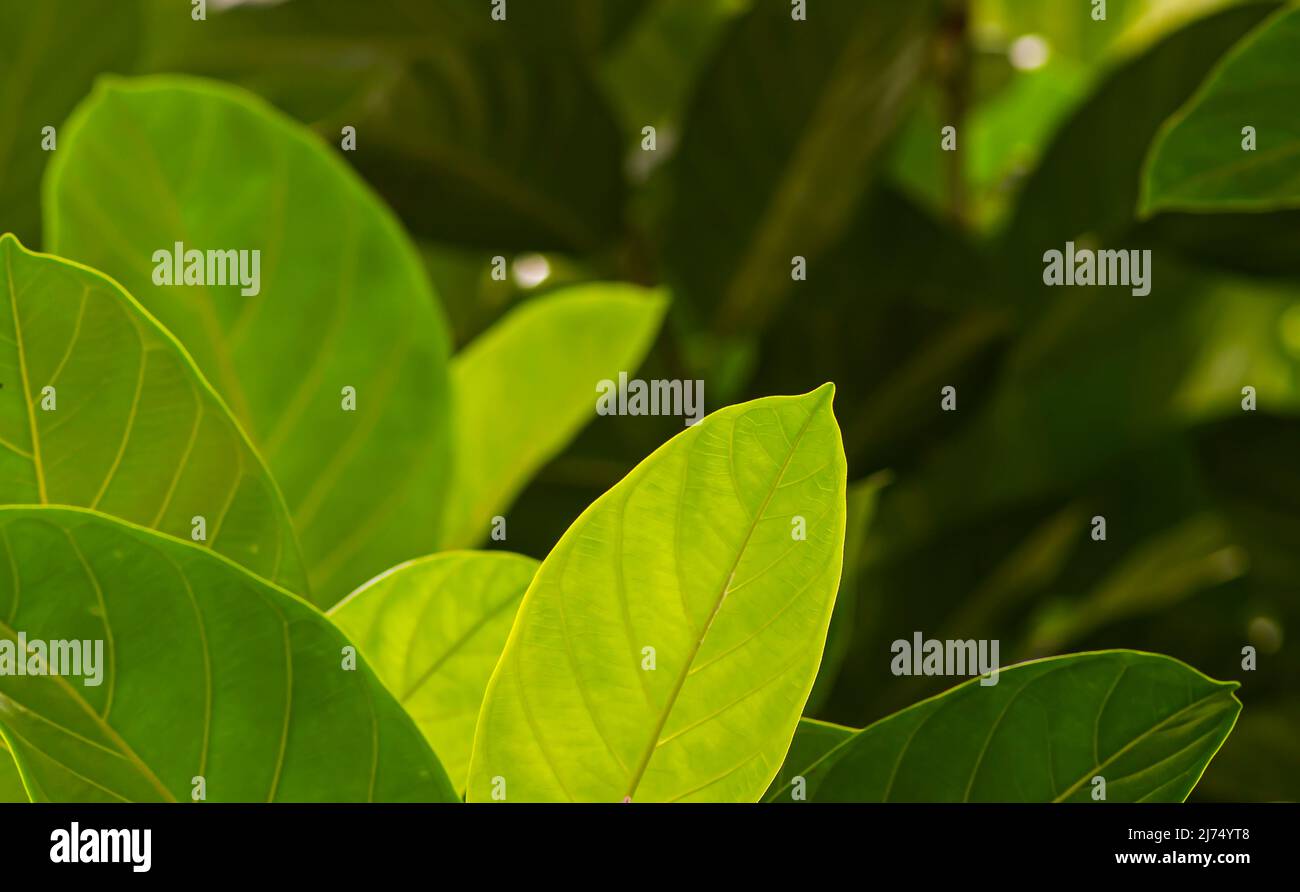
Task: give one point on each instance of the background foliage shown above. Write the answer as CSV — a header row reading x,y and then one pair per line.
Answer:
x,y
524,138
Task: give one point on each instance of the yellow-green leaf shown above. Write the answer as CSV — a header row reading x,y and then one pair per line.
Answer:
x,y
336,366
523,389
107,411
433,629
667,644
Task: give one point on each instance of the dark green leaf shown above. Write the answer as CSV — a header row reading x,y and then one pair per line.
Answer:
x,y
477,132
1145,723
812,741
778,147
1198,160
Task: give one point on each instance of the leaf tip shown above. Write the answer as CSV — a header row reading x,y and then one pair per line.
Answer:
x,y
823,394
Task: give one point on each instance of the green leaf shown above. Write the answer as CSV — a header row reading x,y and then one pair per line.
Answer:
x,y
477,132
1148,724
813,739
131,428
1077,190
651,73
778,147
50,53
693,554
1198,162
248,688
11,784
343,302
543,361
433,629
1154,576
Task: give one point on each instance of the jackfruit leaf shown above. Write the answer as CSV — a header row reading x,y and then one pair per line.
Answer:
x,y
249,689
760,179
544,360
813,739
433,629
667,645
1075,191
112,415
1146,724
336,366
50,54
651,73
1205,159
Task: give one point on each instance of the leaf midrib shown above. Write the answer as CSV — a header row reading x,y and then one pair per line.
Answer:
x,y
1216,693
653,743
109,731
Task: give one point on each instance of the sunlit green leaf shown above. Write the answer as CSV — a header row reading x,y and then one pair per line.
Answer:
x,y
543,361
1147,724
206,671
433,629
669,641
342,303
108,412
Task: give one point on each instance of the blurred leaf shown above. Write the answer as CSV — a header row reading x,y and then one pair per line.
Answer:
x,y
1198,161
1079,189
50,53
343,303
245,688
1255,244
477,132
433,629
736,618
1146,723
813,740
1155,575
544,360
778,147
1069,29
1130,370
861,506
890,326
652,72
135,432
1000,138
